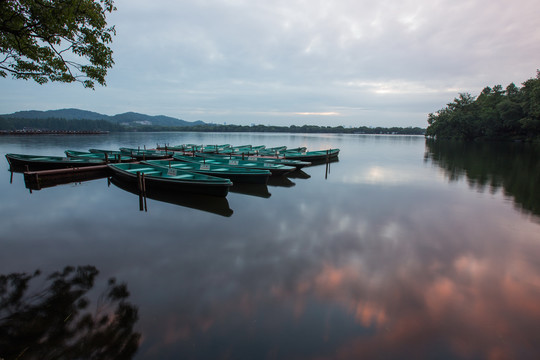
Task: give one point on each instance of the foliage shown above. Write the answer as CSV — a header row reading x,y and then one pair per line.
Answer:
x,y
56,323
50,39
490,166
11,124
497,113
304,129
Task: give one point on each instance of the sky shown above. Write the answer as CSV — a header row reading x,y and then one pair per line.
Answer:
x,y
295,62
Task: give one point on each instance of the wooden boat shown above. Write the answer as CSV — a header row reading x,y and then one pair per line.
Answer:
x,y
244,150
277,148
171,179
275,169
98,155
295,150
108,152
192,147
273,151
313,156
172,148
143,154
235,174
298,164
214,149
21,162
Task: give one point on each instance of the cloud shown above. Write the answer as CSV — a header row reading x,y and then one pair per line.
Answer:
x,y
235,60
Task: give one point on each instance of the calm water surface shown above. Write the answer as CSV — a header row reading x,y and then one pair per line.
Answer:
x,y
404,248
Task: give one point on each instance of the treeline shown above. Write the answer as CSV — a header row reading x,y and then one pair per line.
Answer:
x,y
288,129
496,114
11,124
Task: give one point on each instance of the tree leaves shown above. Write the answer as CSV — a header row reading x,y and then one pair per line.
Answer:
x,y
57,322
56,40
495,114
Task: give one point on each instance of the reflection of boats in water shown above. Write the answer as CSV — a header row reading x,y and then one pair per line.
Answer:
x,y
37,180
212,204
324,161
298,174
281,181
23,162
259,190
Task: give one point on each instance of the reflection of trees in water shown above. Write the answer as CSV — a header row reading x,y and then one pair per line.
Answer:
x,y
57,322
514,167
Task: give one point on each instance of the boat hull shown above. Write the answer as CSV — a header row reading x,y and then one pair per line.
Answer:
x,y
147,154
213,188
260,159
313,156
19,162
236,175
276,170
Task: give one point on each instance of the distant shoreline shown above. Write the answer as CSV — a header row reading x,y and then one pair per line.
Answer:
x,y
84,132
53,132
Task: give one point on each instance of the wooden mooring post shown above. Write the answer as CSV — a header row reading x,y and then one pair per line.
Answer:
x,y
327,165
144,192
141,185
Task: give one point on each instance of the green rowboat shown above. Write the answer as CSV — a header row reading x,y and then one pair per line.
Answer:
x,y
275,169
235,174
22,162
313,156
104,156
298,164
171,179
141,154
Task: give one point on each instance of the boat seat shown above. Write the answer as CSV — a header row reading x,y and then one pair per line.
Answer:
x,y
155,172
183,176
140,169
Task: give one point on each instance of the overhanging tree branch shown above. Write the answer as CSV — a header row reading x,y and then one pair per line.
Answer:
x,y
37,36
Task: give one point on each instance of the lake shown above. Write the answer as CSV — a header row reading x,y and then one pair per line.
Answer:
x,y
404,248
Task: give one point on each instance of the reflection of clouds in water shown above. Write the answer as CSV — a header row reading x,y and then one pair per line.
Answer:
x,y
380,175
397,275
390,270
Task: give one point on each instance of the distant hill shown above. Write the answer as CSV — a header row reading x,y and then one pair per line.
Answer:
x,y
129,118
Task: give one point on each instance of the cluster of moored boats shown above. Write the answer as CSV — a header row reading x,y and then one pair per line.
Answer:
x,y
191,168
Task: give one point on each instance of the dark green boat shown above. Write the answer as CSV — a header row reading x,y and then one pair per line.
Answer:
x,y
143,154
313,156
22,162
298,164
108,152
235,174
275,169
104,156
171,179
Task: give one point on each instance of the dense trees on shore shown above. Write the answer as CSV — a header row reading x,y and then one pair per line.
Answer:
x,y
512,113
306,129
11,124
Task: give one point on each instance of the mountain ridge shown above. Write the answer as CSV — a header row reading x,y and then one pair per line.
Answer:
x,y
127,118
